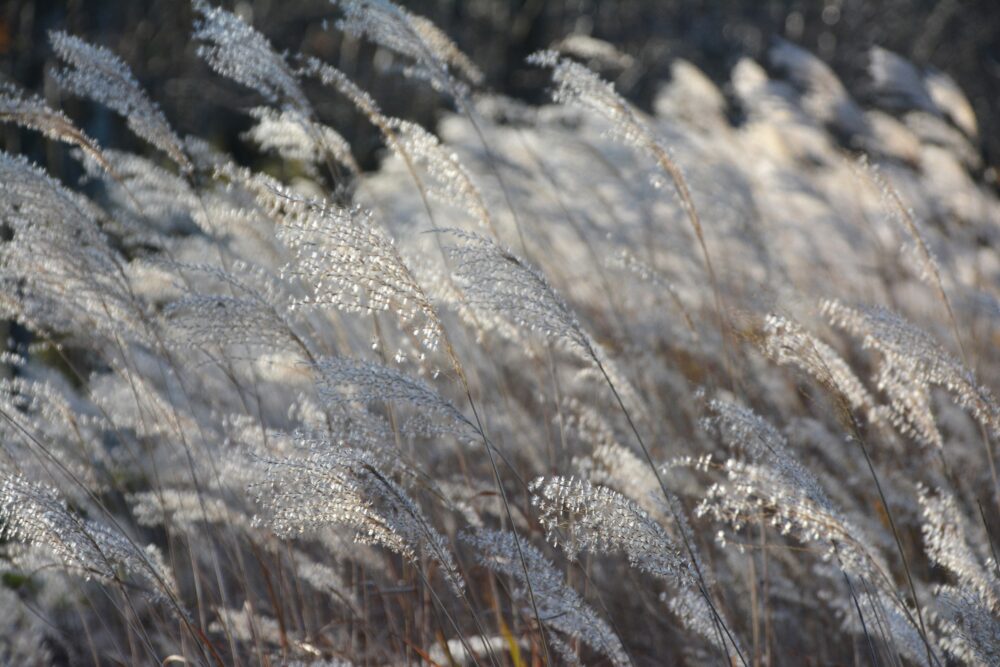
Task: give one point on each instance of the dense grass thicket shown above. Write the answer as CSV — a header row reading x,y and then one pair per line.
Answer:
x,y
565,384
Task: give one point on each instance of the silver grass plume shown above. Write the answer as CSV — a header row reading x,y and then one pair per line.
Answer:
x,y
969,626
498,285
496,282
767,481
451,181
219,320
341,380
755,492
147,202
345,260
59,271
158,193
585,517
747,433
947,542
50,410
183,508
904,216
334,78
241,314
34,514
294,137
247,625
580,86
560,608
768,484
237,51
327,486
96,73
32,112
432,53
610,463
617,467
786,342
911,363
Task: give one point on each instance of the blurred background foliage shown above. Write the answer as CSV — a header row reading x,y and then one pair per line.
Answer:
x,y
959,37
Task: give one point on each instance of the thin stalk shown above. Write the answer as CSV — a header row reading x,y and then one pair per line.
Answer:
x,y
931,658
857,607
702,585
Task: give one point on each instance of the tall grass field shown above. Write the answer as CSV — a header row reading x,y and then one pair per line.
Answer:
x,y
711,383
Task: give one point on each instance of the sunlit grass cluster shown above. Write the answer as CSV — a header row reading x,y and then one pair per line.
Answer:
x,y
574,384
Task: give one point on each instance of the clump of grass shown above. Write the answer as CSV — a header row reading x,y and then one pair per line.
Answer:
x,y
337,421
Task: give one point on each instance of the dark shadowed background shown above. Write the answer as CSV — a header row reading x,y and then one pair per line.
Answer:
x,y
962,38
